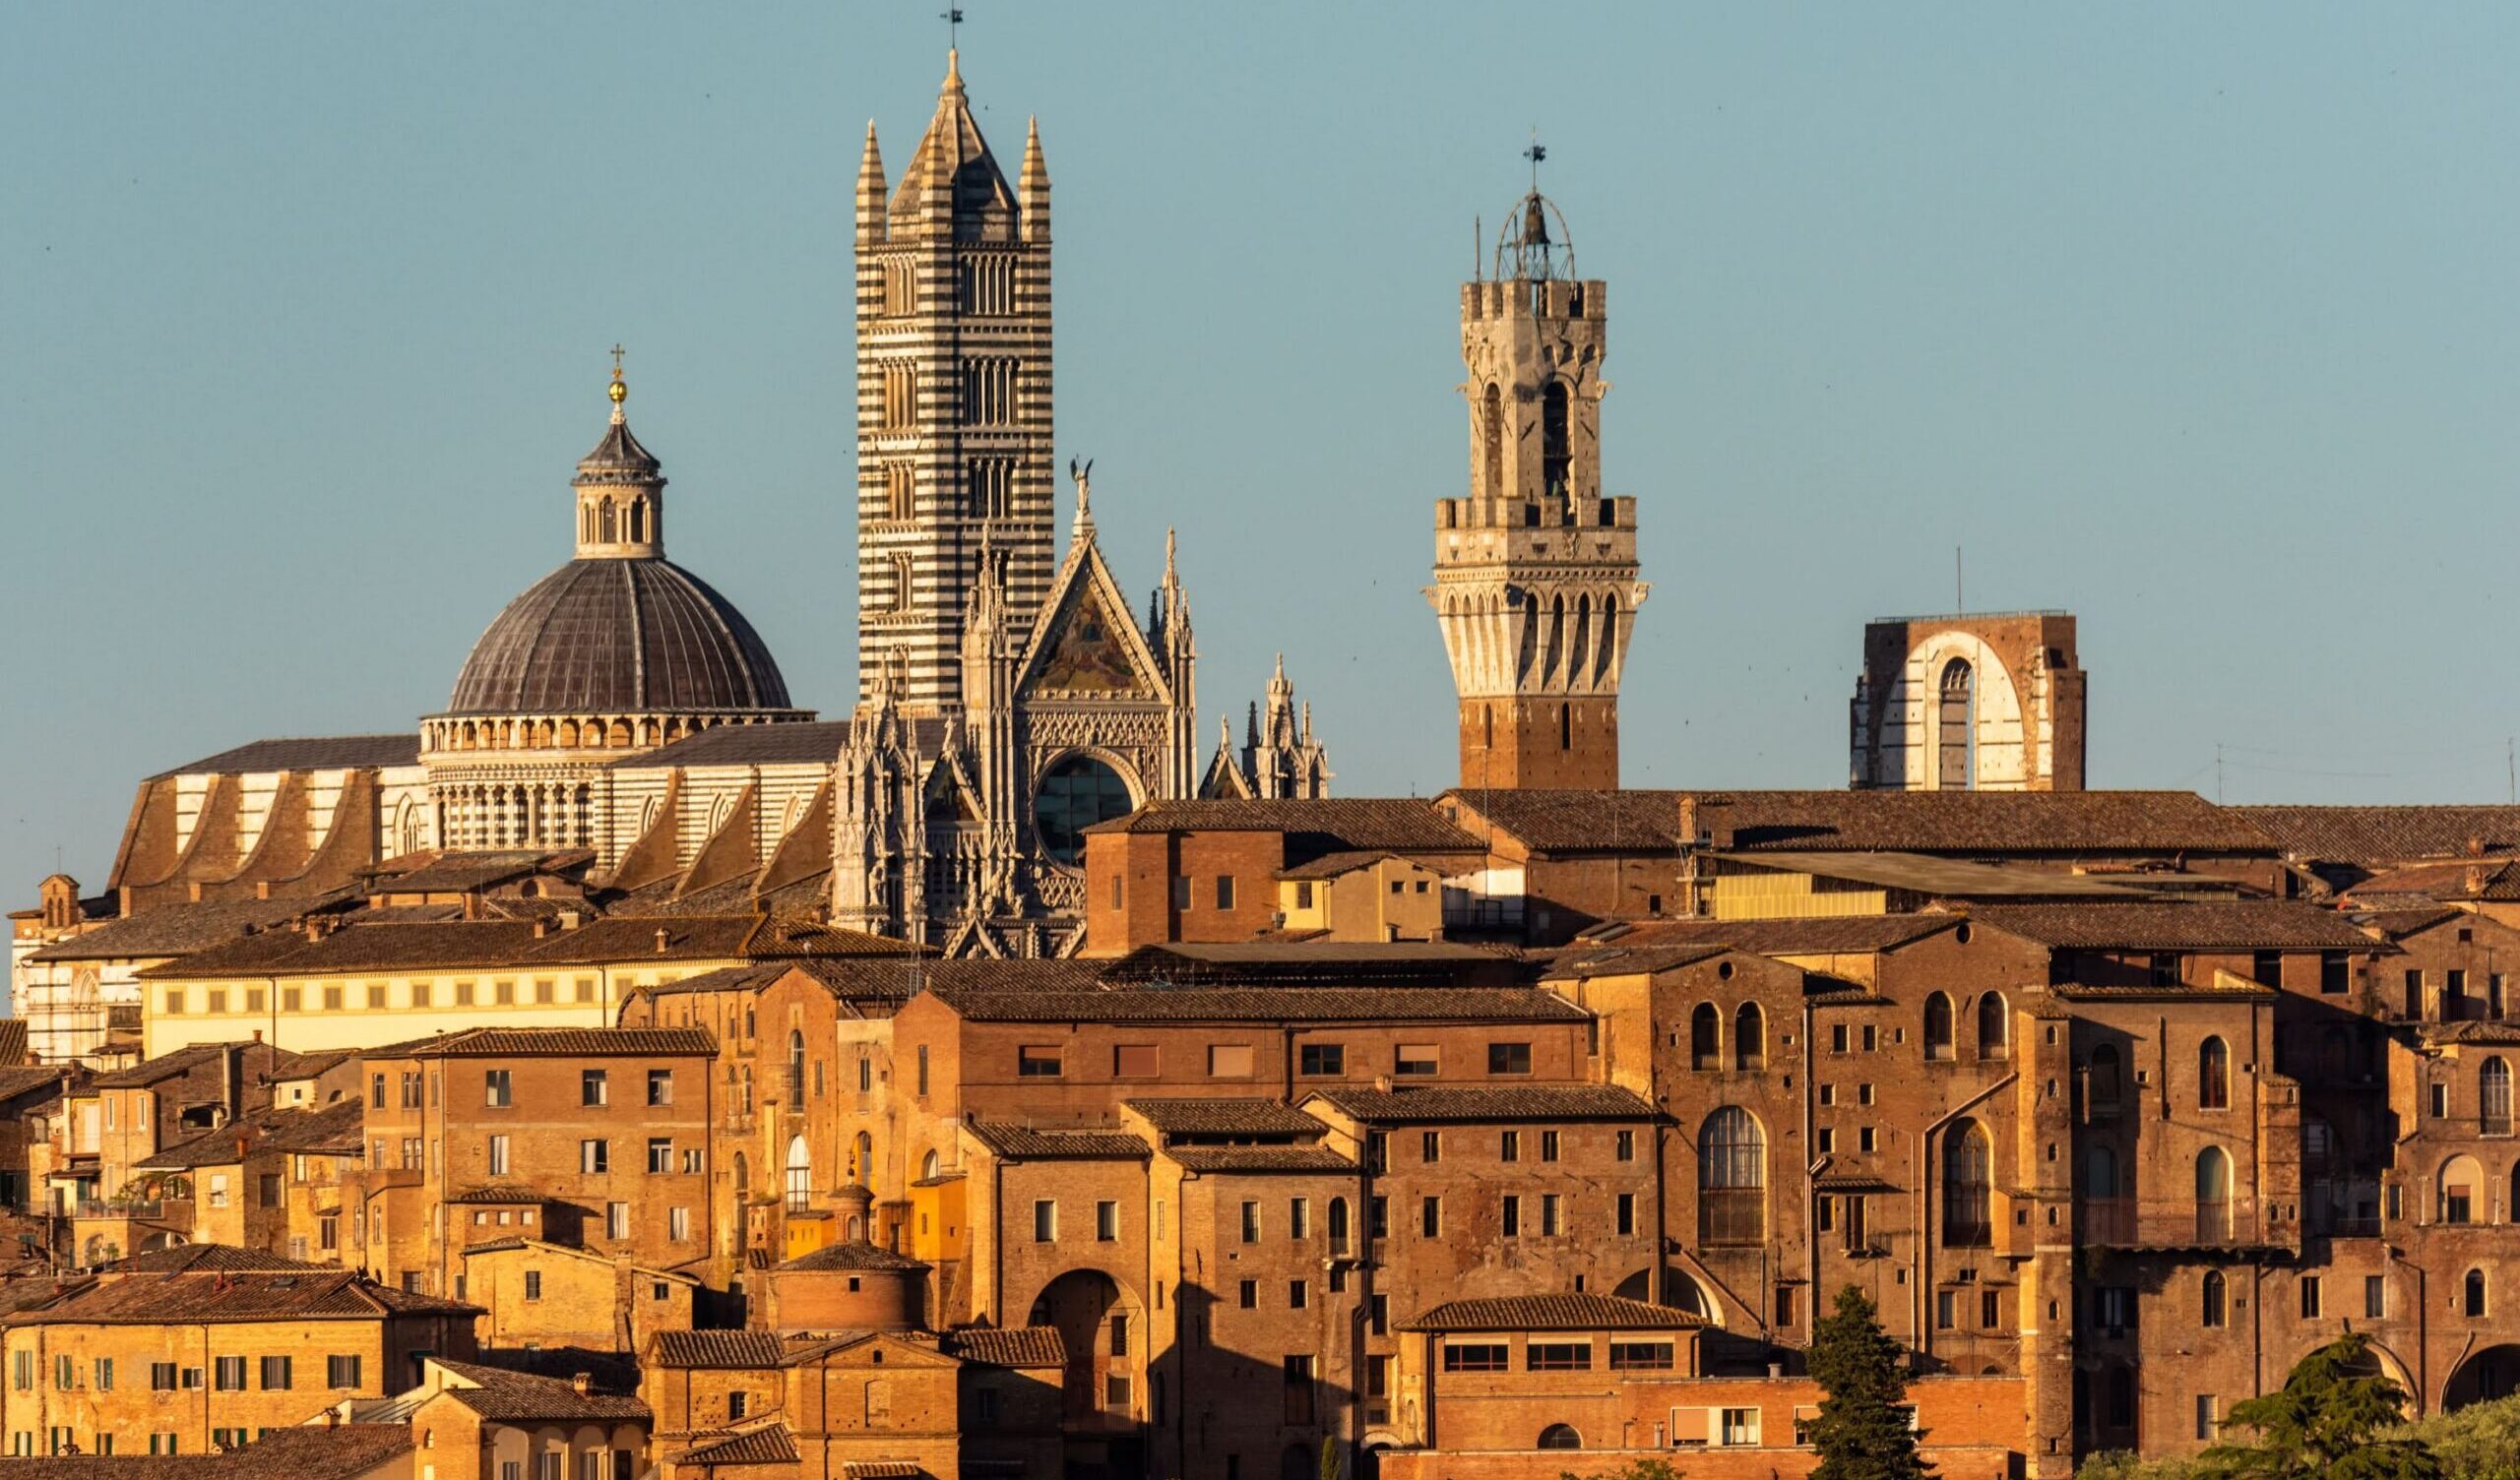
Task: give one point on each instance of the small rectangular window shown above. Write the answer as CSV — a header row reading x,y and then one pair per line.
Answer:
x,y
660,1087
1296,1294
595,1158
1107,1221
1040,1063
1321,1059
2310,1297
1181,891
1479,1356
1626,1145
1134,1061
1509,1057
1416,1061
1225,892
1430,1217
1248,1295
1250,1223
2375,1297
1549,1146
1510,1216
1640,1356
1228,1061
1431,1146
1045,1221
1550,1224
1509,1145
1626,1215
594,1087
616,1221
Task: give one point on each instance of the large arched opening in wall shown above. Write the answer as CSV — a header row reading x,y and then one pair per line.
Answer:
x,y
2484,1377
1680,1291
1103,1328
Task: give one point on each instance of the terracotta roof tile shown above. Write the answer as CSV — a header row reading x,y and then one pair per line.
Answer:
x,y
1825,935
1057,1144
856,1254
2374,837
2202,925
344,1451
509,1396
552,1042
1482,1103
1013,1346
1225,1117
816,743
1313,827
1264,1005
771,1443
1978,823
1552,1313
719,1348
1306,1158
180,929
134,1298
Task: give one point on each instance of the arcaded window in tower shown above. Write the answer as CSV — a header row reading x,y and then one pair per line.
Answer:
x,y
900,288
986,285
901,593
988,392
991,486
1491,430
1556,456
897,492
901,395
1958,714
1731,1179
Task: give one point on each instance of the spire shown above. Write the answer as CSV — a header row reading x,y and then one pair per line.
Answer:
x,y
1032,186
871,190
952,177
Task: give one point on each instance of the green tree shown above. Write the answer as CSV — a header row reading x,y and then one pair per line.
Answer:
x,y
2330,1422
1864,1431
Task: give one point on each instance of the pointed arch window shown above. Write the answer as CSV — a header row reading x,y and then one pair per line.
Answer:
x,y
2213,1075
2212,1196
1939,1030
1967,1158
1749,1038
1731,1179
1556,442
1706,1038
1995,1026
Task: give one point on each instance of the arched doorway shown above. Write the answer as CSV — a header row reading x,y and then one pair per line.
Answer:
x,y
1100,1324
2487,1374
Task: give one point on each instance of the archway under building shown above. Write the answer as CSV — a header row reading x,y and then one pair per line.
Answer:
x,y
1103,1328
2486,1375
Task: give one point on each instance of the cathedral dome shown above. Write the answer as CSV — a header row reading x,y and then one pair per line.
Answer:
x,y
614,636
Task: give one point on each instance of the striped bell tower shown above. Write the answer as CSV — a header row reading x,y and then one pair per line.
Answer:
x,y
954,441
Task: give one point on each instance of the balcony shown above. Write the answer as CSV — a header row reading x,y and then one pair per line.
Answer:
x,y
2174,1223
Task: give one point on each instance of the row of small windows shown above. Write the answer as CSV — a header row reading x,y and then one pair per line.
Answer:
x,y
983,284
276,1374
987,384
1238,1061
1749,1033
600,521
2105,1073
377,997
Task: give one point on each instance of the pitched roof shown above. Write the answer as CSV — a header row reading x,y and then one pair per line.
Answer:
x,y
857,1254
1478,1103
1978,823
199,1295
551,1043
1821,935
1222,1159
1314,825
179,929
2496,880
717,1348
26,1079
1934,875
368,944
1643,959
224,1259
1318,963
509,1396
312,753
815,743
1225,1117
1012,1346
1061,1143
769,1443
1552,1313
163,1068
1332,865
2372,837
343,1451
1264,1005
2202,925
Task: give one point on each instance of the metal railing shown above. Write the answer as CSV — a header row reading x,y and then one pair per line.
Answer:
x,y
2172,1223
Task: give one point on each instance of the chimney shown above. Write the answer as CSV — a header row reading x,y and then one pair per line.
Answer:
x,y
1688,819
582,1383
571,920
262,888
663,940
541,927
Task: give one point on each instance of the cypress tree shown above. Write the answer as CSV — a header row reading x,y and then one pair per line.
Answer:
x,y
1863,1431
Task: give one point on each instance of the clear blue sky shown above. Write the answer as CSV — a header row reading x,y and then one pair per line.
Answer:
x,y
2197,320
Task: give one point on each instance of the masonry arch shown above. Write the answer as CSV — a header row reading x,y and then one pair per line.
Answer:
x,y
1937,1027
1102,1324
1731,1178
2484,1377
1973,731
1682,1291
2212,1196
2459,1192
1749,1037
1706,1036
1560,1437
1995,1026
800,1192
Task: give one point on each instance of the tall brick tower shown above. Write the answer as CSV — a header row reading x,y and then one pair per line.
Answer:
x,y
1535,587
953,449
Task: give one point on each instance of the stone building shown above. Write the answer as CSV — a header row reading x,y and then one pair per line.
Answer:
x,y
1536,577
1989,701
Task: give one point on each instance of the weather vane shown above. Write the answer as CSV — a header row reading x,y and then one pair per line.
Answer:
x,y
952,16
1537,152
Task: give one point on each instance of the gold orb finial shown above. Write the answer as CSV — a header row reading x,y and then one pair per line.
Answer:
x,y
618,392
